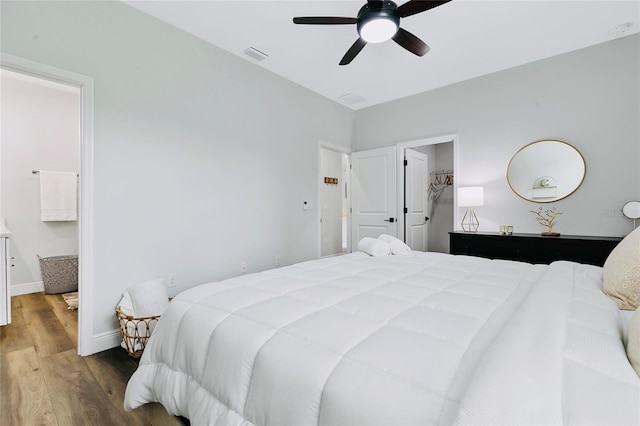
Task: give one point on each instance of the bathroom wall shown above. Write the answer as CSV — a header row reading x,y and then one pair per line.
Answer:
x,y
40,131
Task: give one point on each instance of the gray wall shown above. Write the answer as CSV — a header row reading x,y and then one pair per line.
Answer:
x,y
39,132
589,98
202,160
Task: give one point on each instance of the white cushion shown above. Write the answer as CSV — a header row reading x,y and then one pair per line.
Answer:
x,y
621,272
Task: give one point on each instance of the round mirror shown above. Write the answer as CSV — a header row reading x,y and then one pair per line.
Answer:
x,y
546,171
632,210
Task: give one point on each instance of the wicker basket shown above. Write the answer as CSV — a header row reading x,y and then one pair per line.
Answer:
x,y
135,332
59,274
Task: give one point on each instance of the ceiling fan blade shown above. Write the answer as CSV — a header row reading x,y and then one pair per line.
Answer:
x,y
324,20
353,51
416,6
410,42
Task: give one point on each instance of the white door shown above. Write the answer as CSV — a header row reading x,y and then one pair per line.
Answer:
x,y
5,282
415,220
374,202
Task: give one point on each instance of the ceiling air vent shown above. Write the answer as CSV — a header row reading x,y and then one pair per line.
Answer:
x,y
620,30
255,53
351,98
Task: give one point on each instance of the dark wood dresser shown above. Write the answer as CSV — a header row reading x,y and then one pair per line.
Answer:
x,y
533,248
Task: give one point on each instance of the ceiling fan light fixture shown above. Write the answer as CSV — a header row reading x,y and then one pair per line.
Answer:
x,y
378,30
378,22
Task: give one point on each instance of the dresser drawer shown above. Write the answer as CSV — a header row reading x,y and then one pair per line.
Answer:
x,y
533,248
493,247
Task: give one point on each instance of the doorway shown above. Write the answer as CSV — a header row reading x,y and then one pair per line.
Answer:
x,y
84,134
383,201
438,191
40,146
334,194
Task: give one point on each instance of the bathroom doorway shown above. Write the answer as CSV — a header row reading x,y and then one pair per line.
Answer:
x,y
41,133
87,343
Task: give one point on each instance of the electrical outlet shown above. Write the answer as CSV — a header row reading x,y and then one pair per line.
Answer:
x,y
171,280
243,268
277,261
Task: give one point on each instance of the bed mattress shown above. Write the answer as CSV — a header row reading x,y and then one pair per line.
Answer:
x,y
354,339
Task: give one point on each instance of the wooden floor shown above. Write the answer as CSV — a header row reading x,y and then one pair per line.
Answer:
x,y
44,382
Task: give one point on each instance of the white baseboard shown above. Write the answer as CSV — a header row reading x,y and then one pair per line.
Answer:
x,y
26,288
103,341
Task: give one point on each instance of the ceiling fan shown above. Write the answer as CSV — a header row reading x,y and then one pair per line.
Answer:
x,y
379,21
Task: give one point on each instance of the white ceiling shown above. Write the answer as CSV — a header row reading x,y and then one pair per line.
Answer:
x,y
468,38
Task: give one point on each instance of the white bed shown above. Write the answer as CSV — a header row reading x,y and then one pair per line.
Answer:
x,y
424,339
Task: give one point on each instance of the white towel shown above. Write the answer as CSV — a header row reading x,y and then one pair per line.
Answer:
x,y
387,238
58,196
126,307
397,246
149,298
126,304
374,247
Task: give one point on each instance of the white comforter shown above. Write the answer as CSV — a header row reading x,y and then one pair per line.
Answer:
x,y
421,339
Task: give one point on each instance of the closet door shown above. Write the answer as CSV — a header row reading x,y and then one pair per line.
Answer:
x,y
374,196
416,172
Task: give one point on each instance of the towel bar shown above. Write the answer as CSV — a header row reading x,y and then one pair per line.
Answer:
x,y
37,172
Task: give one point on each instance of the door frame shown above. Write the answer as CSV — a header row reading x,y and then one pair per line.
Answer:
x,y
320,180
431,140
85,218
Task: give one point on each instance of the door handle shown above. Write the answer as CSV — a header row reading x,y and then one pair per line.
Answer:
x,y
391,219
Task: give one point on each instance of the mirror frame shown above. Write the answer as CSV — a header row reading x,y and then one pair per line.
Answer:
x,y
631,210
584,163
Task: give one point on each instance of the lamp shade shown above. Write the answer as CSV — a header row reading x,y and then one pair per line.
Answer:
x,y
471,196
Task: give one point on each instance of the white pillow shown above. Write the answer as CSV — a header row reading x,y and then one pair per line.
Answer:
x,y
633,341
374,247
621,272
